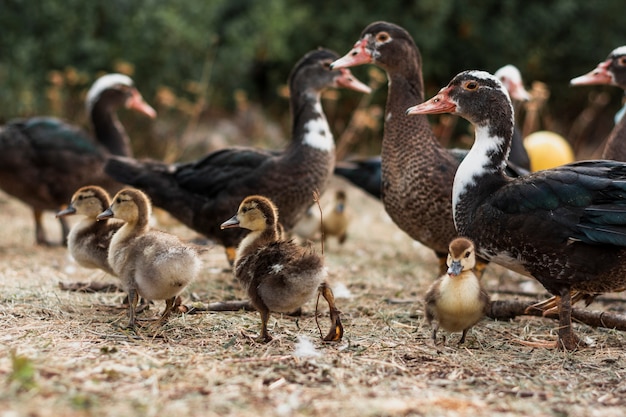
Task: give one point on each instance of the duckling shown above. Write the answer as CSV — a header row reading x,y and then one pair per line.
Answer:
x,y
152,264
277,274
335,223
89,239
456,301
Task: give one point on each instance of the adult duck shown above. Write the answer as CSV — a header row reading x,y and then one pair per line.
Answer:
x,y
417,171
611,71
199,193
564,226
277,274
44,160
152,264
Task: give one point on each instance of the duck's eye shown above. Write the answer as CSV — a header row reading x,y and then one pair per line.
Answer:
x,y
382,37
471,85
326,64
621,61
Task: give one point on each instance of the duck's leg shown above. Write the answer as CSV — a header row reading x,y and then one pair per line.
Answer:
x,y
40,233
133,299
336,331
264,337
462,340
169,305
567,338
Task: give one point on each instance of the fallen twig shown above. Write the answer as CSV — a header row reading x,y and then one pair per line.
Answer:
x,y
90,287
236,305
508,309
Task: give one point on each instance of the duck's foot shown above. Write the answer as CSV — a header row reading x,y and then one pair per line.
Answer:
x,y
335,334
550,306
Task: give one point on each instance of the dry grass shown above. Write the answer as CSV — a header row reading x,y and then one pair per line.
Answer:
x,y
65,354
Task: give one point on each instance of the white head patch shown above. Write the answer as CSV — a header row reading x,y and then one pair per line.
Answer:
x,y
619,51
103,83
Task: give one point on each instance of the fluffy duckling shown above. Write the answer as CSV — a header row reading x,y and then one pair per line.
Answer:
x,y
277,274
335,223
89,239
456,301
152,264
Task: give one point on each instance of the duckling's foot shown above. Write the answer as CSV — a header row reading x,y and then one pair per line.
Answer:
x,y
336,331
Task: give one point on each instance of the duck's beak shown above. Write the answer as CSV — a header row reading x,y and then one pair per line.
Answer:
x,y
230,223
441,103
69,210
347,80
357,56
137,103
106,214
517,91
600,75
455,268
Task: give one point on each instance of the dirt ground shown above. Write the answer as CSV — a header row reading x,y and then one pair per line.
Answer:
x,y
66,354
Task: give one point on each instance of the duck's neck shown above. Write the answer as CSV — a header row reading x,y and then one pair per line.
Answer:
x,y
615,148
109,130
256,238
131,230
310,128
482,170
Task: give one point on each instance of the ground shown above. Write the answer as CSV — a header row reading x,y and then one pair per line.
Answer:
x,y
66,353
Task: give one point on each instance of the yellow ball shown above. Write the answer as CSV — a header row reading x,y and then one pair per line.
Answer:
x,y
547,150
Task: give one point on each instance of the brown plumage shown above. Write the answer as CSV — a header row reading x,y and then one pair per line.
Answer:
x,y
89,239
417,172
277,274
457,301
152,264
44,160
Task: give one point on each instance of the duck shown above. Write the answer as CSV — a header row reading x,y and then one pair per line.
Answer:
x,y
277,274
336,221
611,71
457,300
417,171
43,160
89,239
198,192
565,226
365,173
152,264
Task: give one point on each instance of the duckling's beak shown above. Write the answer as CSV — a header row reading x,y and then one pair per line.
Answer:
x,y
106,214
69,210
230,223
455,268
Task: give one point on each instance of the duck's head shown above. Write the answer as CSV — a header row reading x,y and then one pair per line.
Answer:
x,y
511,78
255,213
117,90
384,44
88,201
340,201
461,256
313,74
129,205
474,95
611,71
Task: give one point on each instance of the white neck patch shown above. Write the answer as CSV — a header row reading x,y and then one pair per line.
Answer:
x,y
473,165
317,133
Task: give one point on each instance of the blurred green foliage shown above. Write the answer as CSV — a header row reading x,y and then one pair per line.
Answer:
x,y
251,45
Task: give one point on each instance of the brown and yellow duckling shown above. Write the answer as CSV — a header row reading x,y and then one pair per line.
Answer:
x,y
336,220
152,264
277,274
456,301
89,239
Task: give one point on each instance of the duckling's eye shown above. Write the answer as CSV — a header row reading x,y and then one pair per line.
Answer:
x,y
244,209
467,254
382,37
118,200
471,85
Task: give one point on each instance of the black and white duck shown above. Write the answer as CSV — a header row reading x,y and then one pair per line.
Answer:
x,y
611,71
456,301
417,171
198,193
564,226
152,264
278,275
44,160
89,239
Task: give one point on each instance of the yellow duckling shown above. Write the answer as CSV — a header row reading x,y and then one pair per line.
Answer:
x,y
457,300
277,274
89,239
152,264
335,223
